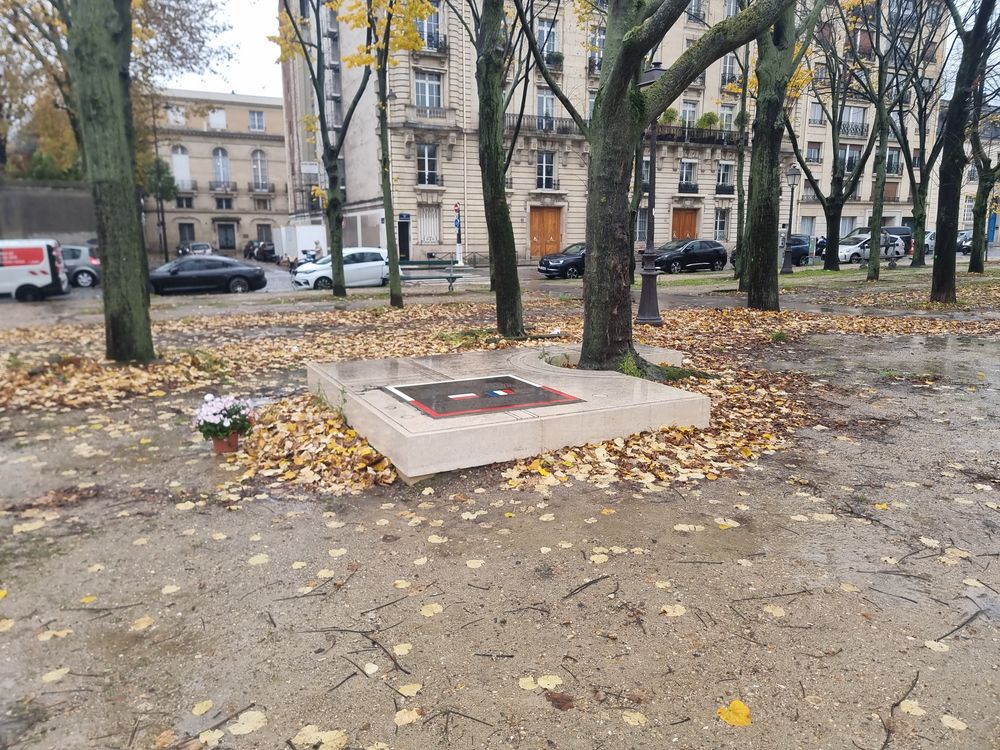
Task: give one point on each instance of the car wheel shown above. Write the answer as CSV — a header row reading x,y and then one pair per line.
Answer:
x,y
239,285
85,279
323,283
385,281
718,265
572,272
674,267
856,258
802,260
28,294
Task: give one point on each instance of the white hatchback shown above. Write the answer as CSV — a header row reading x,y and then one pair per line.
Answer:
x,y
854,247
363,266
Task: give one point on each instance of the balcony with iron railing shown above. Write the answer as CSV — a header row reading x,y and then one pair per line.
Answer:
x,y
186,186
810,198
554,61
848,164
817,121
725,188
434,44
894,166
542,124
438,117
814,159
696,14
546,183
430,179
222,186
594,65
698,136
508,182
687,187
854,129
260,187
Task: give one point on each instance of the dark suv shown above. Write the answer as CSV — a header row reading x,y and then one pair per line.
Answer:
x,y
680,255
567,264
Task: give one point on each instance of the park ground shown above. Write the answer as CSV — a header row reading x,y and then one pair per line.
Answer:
x,y
826,552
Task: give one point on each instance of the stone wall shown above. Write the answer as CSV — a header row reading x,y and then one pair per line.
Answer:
x,y
60,210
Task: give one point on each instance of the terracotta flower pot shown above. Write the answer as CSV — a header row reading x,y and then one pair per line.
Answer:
x,y
228,444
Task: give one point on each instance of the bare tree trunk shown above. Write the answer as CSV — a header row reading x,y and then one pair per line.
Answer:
x,y
953,158
741,159
395,282
919,226
977,261
100,44
775,54
335,228
607,330
492,157
833,211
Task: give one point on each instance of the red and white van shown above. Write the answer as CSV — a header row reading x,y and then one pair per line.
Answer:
x,y
31,270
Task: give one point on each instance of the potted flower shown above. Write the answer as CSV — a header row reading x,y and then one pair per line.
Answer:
x,y
224,419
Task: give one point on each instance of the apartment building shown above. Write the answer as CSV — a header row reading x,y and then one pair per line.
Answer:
x,y
434,143
227,156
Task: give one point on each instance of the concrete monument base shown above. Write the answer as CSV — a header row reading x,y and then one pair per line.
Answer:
x,y
456,411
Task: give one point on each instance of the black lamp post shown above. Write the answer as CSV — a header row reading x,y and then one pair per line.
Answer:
x,y
792,178
649,305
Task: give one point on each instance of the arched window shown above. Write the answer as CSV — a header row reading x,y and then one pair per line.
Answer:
x,y
258,161
220,165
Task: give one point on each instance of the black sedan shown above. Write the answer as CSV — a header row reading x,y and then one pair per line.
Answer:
x,y
207,274
681,255
799,245
567,264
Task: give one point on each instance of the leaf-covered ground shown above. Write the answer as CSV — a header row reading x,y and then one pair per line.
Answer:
x,y
815,569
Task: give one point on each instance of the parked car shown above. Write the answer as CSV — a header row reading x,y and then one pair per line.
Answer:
x,y
905,234
207,274
679,255
363,266
854,248
965,241
195,248
31,270
799,245
83,267
567,264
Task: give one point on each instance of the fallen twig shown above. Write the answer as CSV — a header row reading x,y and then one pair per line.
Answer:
x,y
586,585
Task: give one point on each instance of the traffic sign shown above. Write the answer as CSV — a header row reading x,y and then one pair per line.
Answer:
x,y
458,208
458,222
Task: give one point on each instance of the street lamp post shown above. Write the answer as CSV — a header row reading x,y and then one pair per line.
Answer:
x,y
649,304
792,178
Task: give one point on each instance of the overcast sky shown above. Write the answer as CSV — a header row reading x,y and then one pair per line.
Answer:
x,y
254,69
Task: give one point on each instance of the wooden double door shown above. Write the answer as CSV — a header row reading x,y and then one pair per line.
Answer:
x,y
546,230
684,224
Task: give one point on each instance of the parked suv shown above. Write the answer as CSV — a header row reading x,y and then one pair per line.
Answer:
x,y
83,267
679,255
905,234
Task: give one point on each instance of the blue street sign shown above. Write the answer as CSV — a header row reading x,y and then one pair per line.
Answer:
x,y
458,222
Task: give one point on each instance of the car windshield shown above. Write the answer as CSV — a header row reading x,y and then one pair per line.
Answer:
x,y
576,249
675,245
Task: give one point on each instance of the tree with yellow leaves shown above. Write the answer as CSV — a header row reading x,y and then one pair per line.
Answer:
x,y
169,37
300,37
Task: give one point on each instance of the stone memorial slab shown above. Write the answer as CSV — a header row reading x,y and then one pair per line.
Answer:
x,y
455,411
452,398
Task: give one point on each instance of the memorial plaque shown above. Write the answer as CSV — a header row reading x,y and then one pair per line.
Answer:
x,y
494,393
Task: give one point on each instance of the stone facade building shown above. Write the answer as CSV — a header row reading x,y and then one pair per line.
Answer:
x,y
435,163
227,156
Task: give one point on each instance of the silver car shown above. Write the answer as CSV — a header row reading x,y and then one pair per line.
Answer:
x,y
83,267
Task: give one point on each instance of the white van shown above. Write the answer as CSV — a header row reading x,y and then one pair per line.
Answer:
x,y
30,270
